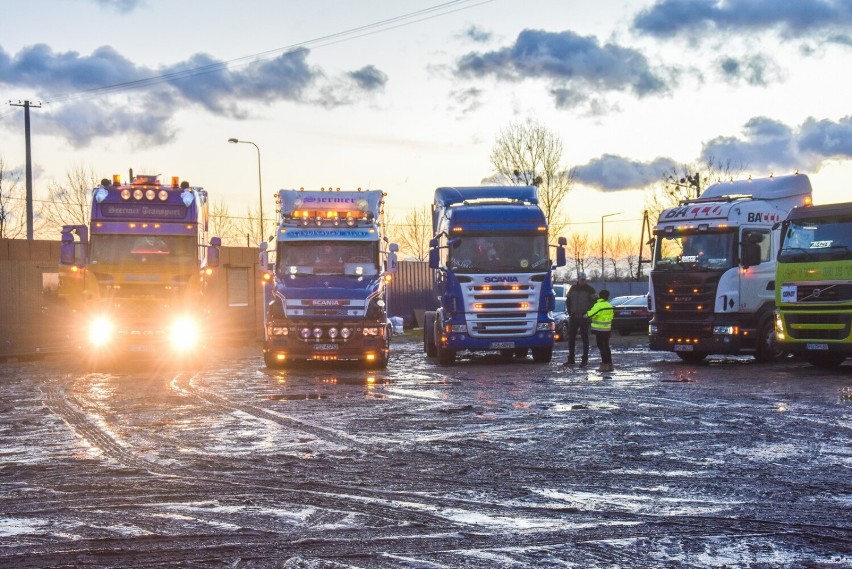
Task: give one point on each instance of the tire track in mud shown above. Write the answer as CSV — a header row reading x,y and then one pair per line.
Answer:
x,y
186,385
62,405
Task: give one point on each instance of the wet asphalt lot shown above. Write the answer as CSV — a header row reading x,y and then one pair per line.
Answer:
x,y
482,464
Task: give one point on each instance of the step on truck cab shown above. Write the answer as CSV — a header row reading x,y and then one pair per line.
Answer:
x,y
325,293
814,284
137,278
712,285
492,274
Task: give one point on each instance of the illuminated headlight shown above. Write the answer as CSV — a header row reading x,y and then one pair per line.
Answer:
x,y
137,194
317,333
350,222
546,326
184,333
371,331
345,333
163,195
779,327
100,331
305,333
332,332
652,328
125,194
458,328
725,330
279,331
150,195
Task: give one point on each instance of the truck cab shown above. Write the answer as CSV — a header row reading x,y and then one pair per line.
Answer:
x,y
492,274
712,285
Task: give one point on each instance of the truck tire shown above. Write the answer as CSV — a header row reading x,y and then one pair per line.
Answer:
x,y
692,357
446,357
429,335
768,348
542,355
270,361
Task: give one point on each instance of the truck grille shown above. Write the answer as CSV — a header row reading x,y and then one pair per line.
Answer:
x,y
824,293
810,326
684,303
501,311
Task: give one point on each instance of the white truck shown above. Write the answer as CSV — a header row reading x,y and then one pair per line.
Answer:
x,y
712,285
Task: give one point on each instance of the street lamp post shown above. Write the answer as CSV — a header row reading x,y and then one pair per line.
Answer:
x,y
603,268
259,182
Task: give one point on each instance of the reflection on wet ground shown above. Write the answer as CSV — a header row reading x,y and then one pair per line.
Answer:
x,y
481,464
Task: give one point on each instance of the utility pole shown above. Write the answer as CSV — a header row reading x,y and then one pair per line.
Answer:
x,y
29,159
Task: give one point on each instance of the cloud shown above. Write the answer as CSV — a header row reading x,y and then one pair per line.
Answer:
x,y
757,70
613,173
477,34
576,65
369,78
122,6
695,18
217,86
770,145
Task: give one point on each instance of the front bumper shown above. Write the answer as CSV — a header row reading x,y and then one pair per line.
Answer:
x,y
458,341
358,347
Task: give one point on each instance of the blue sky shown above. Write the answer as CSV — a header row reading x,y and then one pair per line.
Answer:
x,y
409,95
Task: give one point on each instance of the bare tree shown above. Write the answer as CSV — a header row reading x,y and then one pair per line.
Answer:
x,y
13,223
69,202
688,181
222,225
530,154
579,249
414,233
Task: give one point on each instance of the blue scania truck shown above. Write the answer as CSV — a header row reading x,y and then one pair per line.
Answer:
x,y
325,292
492,274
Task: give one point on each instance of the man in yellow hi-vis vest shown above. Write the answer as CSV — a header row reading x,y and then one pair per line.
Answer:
x,y
601,314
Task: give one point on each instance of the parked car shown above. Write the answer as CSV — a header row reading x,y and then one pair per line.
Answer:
x,y
560,317
630,314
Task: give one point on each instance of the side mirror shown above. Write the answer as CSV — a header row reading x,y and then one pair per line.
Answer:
x,y
434,259
213,252
392,263
68,253
750,250
561,260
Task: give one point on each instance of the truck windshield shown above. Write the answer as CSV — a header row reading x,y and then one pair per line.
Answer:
x,y
823,239
143,249
703,250
516,253
328,258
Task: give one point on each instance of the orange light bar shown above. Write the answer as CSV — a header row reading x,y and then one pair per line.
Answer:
x,y
116,179
175,181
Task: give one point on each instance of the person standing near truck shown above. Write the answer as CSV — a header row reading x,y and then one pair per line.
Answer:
x,y
600,316
580,298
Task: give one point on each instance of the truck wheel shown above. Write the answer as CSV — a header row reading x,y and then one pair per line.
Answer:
x,y
429,335
768,348
270,361
826,361
446,357
542,355
692,357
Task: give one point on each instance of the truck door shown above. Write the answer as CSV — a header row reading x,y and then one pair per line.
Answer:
x,y
756,280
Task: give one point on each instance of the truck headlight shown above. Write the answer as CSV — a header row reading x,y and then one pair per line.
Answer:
x,y
345,333
371,331
184,333
100,330
458,328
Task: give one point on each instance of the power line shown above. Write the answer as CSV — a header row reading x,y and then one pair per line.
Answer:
x,y
410,18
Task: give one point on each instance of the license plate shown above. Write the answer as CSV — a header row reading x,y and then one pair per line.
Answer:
x,y
501,345
818,347
683,347
325,347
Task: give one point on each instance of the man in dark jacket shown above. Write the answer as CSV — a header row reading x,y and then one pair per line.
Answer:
x,y
580,299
